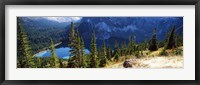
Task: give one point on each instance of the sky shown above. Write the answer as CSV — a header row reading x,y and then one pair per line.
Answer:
x,y
64,19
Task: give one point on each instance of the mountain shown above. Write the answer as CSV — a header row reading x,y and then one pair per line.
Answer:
x,y
110,29
39,23
123,27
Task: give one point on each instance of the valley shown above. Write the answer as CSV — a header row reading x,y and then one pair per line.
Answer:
x,y
100,42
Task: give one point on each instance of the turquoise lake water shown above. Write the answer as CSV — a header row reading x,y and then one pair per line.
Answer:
x,y
62,52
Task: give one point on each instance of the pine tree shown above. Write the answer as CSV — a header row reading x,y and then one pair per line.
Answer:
x,y
134,37
103,55
123,49
146,44
153,42
116,54
109,53
134,45
130,41
93,56
54,57
72,40
171,39
139,50
78,59
131,45
24,52
116,46
99,56
179,41
74,44
78,50
83,57
143,45
38,62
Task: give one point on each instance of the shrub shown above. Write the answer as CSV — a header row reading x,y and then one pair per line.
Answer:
x,y
178,51
163,52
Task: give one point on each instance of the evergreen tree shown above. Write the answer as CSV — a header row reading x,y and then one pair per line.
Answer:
x,y
78,51
130,42
171,39
153,42
139,50
103,55
99,54
24,52
131,45
93,56
109,53
116,54
123,49
179,41
134,37
72,63
75,45
146,44
72,40
116,46
143,45
134,45
83,57
176,40
54,57
38,62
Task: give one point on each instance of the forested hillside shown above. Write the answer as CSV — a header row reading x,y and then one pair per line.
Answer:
x,y
109,40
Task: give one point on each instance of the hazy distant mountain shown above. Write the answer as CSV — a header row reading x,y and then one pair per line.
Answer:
x,y
122,27
39,23
108,28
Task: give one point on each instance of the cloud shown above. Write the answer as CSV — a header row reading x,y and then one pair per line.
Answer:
x,y
64,19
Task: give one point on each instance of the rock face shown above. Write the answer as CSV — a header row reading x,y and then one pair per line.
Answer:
x,y
127,64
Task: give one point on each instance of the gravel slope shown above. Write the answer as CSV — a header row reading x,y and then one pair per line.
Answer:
x,y
153,62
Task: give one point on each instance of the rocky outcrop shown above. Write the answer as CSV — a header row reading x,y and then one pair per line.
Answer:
x,y
127,64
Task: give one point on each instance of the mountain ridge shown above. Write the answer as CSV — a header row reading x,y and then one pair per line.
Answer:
x,y
107,28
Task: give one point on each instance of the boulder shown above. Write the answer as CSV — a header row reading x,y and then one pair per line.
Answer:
x,y
127,64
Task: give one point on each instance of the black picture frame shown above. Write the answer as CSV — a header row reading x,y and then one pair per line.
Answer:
x,y
99,2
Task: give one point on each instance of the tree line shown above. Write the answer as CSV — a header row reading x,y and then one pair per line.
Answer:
x,y
98,57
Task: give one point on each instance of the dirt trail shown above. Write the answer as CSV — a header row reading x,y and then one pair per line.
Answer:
x,y
154,62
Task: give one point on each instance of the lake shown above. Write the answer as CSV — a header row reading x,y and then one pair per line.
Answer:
x,y
62,52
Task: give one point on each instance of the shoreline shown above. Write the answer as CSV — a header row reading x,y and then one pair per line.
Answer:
x,y
46,49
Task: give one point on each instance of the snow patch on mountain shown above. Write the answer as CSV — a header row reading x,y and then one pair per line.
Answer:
x,y
130,28
127,28
103,27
